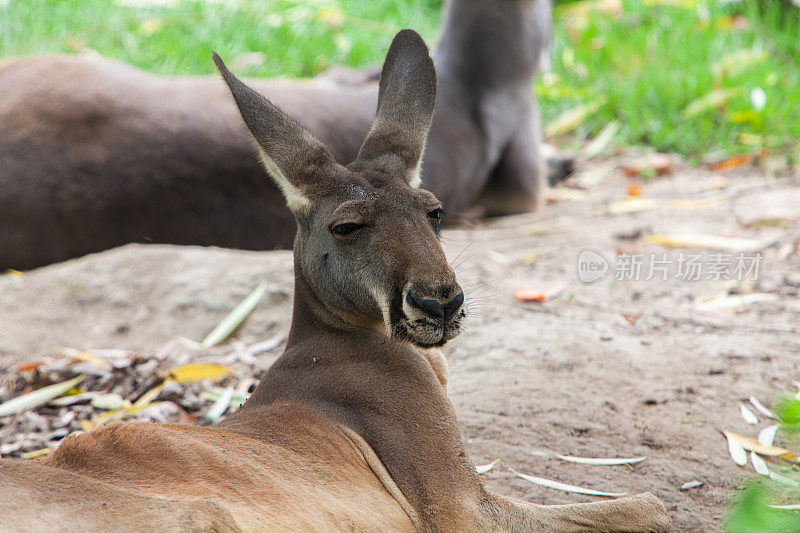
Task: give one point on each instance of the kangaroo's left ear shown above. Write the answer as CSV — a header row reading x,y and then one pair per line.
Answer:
x,y
406,100
298,162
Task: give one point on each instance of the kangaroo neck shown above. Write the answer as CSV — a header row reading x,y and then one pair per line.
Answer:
x,y
385,391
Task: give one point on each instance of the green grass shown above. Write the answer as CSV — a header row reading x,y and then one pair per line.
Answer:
x,y
299,38
643,64
651,62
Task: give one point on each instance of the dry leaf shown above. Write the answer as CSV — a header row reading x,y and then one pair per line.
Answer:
x,y
526,294
572,118
198,372
693,484
767,435
599,143
37,397
748,415
35,453
754,446
759,465
761,408
714,99
634,189
736,301
220,406
557,485
148,397
108,402
731,163
653,163
28,367
784,480
711,242
601,461
235,318
735,448
482,469
792,507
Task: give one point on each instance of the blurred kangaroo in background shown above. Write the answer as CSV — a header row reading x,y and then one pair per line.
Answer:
x,y
95,154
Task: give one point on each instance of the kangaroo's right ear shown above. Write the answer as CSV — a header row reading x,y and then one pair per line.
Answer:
x,y
406,100
296,160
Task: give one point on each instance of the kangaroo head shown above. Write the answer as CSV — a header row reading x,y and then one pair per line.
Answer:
x,y
368,239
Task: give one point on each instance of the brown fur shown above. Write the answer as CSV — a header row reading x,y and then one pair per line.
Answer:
x,y
351,428
95,154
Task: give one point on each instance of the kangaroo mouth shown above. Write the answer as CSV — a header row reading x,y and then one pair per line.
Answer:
x,y
423,331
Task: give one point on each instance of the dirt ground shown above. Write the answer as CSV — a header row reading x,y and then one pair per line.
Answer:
x,y
571,375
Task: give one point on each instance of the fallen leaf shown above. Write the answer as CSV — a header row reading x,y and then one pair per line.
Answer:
x,y
557,485
651,163
752,445
712,242
735,301
35,453
767,435
74,399
148,397
526,294
632,319
37,397
748,415
761,408
731,163
108,402
248,60
572,118
235,318
629,205
198,372
601,461
712,100
482,469
784,480
791,507
759,465
599,143
634,189
213,394
87,357
220,406
28,367
150,26
693,484
736,62
735,448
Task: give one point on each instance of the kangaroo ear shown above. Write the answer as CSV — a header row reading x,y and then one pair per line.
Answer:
x,y
295,159
406,99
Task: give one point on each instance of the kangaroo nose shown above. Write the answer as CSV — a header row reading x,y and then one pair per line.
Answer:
x,y
435,308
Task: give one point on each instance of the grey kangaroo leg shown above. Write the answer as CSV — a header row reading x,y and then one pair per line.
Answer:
x,y
640,513
518,182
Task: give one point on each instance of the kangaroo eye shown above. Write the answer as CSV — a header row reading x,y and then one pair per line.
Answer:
x,y
437,214
346,229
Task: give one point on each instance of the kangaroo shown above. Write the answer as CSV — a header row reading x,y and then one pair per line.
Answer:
x,y
350,429
95,154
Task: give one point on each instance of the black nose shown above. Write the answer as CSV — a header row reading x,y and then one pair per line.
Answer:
x,y
435,308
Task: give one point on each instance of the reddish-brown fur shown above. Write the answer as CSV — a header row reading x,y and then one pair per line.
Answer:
x,y
351,428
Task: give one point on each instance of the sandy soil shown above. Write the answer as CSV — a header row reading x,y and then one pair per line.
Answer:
x,y
570,375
